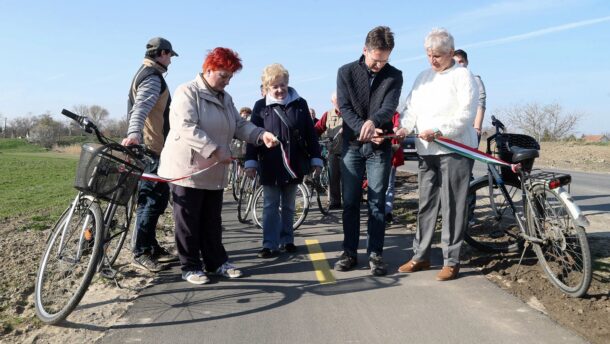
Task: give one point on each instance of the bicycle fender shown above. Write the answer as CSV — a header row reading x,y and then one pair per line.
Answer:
x,y
573,208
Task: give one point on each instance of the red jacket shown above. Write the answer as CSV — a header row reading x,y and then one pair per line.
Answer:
x,y
398,159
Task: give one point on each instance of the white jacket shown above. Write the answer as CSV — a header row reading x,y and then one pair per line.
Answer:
x,y
446,101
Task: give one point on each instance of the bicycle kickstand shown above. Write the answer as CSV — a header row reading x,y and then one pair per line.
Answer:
x,y
525,246
109,272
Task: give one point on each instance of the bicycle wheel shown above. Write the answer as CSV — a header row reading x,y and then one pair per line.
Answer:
x,y
301,207
492,226
257,207
235,176
323,192
244,202
117,230
564,256
69,261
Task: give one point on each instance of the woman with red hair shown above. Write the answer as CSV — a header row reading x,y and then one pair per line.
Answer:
x,y
203,121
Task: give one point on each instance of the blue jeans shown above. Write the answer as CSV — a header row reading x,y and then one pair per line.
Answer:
x,y
353,165
152,201
389,194
277,225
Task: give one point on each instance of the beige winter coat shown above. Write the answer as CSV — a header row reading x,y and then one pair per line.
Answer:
x,y
199,124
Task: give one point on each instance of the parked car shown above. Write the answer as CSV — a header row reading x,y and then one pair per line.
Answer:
x,y
408,148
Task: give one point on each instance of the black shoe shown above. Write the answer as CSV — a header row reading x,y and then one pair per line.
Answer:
x,y
335,207
145,262
345,262
389,219
266,253
378,267
290,248
162,255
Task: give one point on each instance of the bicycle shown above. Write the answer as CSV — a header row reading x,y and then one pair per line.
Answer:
x,y
90,233
509,210
236,174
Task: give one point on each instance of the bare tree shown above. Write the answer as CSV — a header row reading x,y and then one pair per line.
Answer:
x,y
95,113
47,131
543,122
116,128
98,114
21,126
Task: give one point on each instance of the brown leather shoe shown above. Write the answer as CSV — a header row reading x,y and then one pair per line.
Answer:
x,y
448,273
414,266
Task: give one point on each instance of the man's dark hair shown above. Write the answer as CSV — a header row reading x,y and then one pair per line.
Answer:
x,y
381,38
461,53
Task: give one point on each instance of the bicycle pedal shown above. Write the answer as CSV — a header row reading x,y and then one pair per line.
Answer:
x,y
108,273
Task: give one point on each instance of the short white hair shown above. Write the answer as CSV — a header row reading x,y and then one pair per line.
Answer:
x,y
439,39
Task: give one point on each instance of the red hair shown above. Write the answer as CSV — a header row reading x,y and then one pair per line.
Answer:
x,y
222,58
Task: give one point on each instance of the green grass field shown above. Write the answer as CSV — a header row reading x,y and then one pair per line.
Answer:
x,y
35,185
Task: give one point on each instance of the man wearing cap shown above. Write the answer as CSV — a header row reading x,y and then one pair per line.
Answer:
x,y
148,114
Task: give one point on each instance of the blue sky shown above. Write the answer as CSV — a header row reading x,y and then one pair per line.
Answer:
x,y
62,53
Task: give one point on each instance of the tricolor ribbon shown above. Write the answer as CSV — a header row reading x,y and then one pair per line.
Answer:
x,y
286,162
472,153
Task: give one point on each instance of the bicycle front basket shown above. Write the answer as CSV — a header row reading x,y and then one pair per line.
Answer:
x,y
108,172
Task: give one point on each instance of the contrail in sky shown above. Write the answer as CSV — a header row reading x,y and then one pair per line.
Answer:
x,y
524,36
538,33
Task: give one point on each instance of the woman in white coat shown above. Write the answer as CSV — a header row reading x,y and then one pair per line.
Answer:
x,y
203,121
442,102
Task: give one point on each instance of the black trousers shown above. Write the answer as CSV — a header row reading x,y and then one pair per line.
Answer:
x,y
197,216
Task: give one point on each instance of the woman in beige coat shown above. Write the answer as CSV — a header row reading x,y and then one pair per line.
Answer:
x,y
203,121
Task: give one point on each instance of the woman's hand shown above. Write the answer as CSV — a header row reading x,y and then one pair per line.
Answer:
x,y
222,156
429,134
270,140
250,172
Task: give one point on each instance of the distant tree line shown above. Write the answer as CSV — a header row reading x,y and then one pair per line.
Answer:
x,y
47,131
543,122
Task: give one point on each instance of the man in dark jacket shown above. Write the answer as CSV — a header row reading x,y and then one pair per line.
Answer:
x,y
368,91
148,109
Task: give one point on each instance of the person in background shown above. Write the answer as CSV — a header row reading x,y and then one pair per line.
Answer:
x,y
148,111
285,114
442,102
329,127
398,159
368,91
203,122
461,57
238,147
312,113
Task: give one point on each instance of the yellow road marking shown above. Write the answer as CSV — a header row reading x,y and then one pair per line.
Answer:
x,y
320,264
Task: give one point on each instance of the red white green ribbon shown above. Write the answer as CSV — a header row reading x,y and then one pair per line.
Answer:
x,y
286,162
471,153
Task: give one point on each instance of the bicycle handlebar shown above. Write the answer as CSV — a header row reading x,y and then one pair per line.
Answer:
x,y
496,123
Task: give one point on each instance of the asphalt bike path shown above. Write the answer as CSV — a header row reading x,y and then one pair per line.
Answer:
x,y
298,298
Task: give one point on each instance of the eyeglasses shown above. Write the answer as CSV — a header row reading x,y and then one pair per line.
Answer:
x,y
379,62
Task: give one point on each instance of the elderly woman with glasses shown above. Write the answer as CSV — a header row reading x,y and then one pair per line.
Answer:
x,y
285,114
203,121
442,102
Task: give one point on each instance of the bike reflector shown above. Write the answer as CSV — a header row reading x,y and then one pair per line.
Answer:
x,y
560,181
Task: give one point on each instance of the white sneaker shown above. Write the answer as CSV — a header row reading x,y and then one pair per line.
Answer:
x,y
229,270
195,277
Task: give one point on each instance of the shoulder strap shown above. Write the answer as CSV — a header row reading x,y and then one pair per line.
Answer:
x,y
282,115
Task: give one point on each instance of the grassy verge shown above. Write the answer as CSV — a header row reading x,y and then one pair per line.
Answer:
x,y
35,184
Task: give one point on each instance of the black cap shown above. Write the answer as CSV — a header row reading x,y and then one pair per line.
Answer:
x,y
159,43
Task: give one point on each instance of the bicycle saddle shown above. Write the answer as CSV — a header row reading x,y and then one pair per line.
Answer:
x,y
522,154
